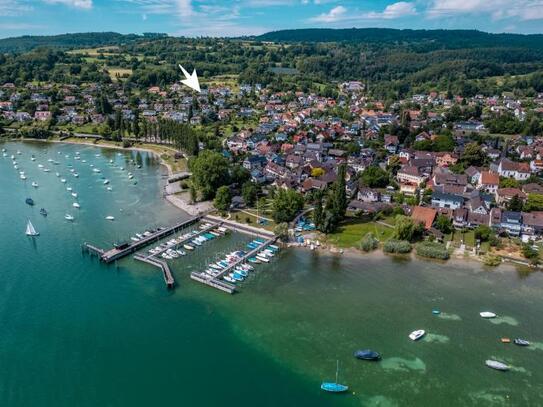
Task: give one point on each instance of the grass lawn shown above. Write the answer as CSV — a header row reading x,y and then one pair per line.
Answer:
x,y
251,220
113,72
350,234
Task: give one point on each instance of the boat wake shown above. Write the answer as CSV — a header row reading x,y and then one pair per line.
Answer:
x,y
436,338
450,317
504,320
403,365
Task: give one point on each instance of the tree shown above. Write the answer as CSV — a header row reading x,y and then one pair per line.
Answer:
x,y
530,253
317,172
533,203
473,155
515,204
483,233
318,213
374,177
406,229
209,172
281,231
223,199
193,193
286,205
509,183
443,224
249,192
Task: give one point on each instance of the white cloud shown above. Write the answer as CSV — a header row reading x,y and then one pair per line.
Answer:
x,y
395,10
392,11
336,14
496,9
10,8
82,4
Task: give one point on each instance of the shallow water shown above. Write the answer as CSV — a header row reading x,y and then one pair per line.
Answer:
x,y
76,332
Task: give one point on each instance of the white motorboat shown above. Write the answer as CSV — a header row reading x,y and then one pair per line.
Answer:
x,y
494,364
46,170
96,170
487,314
63,180
76,205
35,184
23,177
69,217
57,174
69,189
76,175
106,182
74,194
109,189
110,217
188,247
416,335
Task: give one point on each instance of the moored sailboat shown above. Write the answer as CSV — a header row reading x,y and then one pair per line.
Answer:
x,y
30,231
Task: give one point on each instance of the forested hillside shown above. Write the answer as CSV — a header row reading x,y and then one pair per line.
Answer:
x,y
29,42
392,63
429,39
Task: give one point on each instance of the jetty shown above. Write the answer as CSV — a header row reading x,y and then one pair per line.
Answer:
x,y
217,282
162,265
124,249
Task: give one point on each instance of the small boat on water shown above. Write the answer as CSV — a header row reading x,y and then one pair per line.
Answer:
x,y
436,312
30,231
23,177
505,340
521,342
367,354
76,205
188,247
74,194
106,182
109,189
334,387
35,184
416,335
29,201
487,314
63,180
110,217
229,279
494,364
43,212
69,217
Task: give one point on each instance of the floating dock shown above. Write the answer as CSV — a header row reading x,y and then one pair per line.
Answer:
x,y
217,282
162,265
124,250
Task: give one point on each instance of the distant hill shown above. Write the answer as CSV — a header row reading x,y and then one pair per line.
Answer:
x,y
80,40
450,39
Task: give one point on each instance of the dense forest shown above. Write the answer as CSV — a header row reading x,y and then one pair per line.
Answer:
x,y
392,63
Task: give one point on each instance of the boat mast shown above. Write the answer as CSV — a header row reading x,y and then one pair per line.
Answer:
x,y
337,370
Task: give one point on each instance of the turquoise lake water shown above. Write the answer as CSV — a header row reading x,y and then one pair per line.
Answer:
x,y
79,333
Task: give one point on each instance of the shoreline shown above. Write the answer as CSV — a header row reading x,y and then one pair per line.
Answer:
x,y
110,146
172,199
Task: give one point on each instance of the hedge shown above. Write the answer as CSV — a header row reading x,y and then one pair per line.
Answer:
x,y
397,246
369,242
433,250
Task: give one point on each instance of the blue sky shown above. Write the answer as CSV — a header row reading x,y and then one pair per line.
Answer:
x,y
239,17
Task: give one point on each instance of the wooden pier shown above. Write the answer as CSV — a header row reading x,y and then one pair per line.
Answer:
x,y
216,282
124,250
162,265
185,240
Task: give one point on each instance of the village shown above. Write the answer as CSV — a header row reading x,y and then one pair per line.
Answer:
x,y
447,162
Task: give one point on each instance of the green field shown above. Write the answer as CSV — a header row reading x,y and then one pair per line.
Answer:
x,y
350,234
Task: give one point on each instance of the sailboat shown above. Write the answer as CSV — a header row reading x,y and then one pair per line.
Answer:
x,y
30,231
334,387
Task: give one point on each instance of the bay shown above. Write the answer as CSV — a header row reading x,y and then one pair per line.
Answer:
x,y
76,332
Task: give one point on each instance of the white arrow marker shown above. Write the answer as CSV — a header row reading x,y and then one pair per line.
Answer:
x,y
191,80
